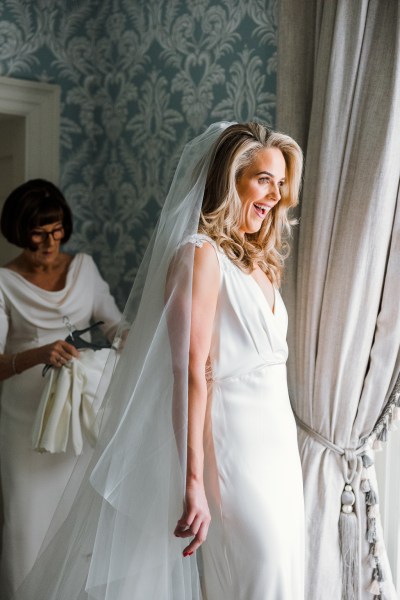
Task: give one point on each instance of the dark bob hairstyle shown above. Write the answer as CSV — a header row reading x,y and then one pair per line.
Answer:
x,y
33,204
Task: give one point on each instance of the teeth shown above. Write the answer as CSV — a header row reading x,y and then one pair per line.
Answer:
x,y
262,208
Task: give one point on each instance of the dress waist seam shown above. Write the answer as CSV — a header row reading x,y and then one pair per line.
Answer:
x,y
211,379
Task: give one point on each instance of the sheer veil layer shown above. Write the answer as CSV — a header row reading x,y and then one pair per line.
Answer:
x,y
112,535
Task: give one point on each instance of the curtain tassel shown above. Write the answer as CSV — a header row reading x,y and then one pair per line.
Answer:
x,y
377,548
372,561
377,445
374,588
365,485
371,530
367,460
348,537
383,434
396,413
374,554
371,497
372,511
378,573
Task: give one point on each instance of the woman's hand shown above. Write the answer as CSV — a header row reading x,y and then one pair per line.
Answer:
x,y
195,518
57,353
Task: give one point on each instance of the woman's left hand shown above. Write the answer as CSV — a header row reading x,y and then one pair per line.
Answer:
x,y
195,519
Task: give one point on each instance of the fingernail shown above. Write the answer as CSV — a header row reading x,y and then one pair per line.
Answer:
x,y
188,553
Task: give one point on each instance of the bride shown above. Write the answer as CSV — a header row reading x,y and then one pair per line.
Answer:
x,y
194,489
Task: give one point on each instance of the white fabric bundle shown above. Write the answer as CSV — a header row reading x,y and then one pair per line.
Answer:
x,y
67,408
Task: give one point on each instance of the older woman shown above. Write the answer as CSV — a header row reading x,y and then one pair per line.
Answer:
x,y
39,288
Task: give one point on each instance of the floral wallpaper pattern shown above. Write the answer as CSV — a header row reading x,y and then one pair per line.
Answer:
x,y
138,79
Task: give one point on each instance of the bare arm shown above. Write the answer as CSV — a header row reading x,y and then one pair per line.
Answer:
x,y
56,354
195,519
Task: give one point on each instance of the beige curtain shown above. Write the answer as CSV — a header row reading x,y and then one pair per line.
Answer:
x,y
339,96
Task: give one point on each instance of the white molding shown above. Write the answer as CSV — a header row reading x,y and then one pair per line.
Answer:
x,y
39,103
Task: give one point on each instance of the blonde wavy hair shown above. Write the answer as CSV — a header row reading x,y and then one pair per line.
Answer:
x,y
220,217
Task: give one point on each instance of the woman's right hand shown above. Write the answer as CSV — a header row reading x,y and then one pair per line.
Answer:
x,y
195,519
57,353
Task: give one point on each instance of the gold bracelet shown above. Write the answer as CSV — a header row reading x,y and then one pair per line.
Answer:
x,y
14,367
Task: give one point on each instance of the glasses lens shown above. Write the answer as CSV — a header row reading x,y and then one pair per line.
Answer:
x,y
38,237
58,233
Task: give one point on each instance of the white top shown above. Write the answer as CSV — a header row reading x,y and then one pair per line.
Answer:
x,y
31,316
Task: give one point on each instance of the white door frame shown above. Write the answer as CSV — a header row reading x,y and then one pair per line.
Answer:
x,y
39,103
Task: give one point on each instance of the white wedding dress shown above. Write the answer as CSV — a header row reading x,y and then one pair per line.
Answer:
x,y
255,545
32,483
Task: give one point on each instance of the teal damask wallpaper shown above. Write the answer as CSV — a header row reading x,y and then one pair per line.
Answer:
x,y
139,78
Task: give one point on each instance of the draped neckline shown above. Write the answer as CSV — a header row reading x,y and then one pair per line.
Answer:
x,y
39,289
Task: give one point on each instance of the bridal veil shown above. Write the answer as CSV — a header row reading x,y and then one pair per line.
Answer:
x,y
112,535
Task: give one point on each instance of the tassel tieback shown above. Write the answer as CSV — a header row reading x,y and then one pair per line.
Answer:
x,y
348,499
355,460
348,537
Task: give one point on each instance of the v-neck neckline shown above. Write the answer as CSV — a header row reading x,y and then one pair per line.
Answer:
x,y
273,308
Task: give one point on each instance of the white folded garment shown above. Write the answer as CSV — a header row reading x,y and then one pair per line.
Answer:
x,y
69,404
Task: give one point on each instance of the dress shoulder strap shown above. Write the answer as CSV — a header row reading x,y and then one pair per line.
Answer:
x,y
198,240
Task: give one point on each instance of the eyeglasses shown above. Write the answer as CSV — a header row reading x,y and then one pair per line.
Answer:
x,y
38,237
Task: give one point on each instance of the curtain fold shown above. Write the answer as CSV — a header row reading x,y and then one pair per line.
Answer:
x,y
339,95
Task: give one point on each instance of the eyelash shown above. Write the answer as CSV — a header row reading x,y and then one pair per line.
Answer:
x,y
267,179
